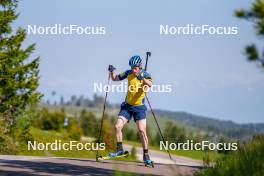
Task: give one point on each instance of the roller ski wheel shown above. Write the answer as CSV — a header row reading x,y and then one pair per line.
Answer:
x,y
98,157
149,163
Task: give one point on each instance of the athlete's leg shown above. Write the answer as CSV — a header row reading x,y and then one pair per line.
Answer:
x,y
123,117
141,125
121,121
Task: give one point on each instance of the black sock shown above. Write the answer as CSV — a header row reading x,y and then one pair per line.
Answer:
x,y
145,154
145,151
119,146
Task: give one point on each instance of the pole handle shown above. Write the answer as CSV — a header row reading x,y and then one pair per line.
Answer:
x,y
148,54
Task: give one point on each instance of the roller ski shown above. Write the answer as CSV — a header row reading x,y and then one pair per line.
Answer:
x,y
112,155
147,161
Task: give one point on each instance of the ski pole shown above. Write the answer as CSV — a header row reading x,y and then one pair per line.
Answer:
x,y
148,55
157,125
102,120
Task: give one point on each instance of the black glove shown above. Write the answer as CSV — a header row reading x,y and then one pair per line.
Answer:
x,y
111,68
140,75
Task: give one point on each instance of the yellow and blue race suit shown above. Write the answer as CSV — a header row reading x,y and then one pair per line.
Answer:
x,y
134,102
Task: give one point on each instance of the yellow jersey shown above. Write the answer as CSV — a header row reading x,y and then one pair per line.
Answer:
x,y
135,94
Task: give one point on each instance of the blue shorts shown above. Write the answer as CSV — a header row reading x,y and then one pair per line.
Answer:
x,y
127,111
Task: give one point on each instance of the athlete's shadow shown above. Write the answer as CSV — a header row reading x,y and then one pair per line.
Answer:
x,y
134,163
137,163
34,167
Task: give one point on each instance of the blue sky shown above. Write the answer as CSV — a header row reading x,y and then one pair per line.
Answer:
x,y
210,74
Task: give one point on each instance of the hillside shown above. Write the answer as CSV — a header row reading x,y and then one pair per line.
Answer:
x,y
214,126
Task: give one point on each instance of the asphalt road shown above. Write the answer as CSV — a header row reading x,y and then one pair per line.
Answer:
x,y
29,165
163,158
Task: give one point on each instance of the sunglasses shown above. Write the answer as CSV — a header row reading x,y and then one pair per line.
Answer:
x,y
135,67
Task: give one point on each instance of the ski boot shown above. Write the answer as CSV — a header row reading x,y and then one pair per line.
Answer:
x,y
147,161
117,154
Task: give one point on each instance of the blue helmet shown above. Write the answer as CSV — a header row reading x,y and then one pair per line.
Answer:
x,y
135,61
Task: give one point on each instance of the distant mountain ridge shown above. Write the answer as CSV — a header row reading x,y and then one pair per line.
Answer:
x,y
216,126
212,127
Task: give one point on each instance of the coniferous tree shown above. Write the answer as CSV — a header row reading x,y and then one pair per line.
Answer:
x,y
256,16
18,75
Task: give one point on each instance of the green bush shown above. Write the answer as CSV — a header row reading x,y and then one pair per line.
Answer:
x,y
21,131
53,121
75,132
248,160
16,139
108,135
133,153
130,134
88,123
7,145
46,120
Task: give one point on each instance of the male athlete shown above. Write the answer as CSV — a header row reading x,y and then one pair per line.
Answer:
x,y
134,104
